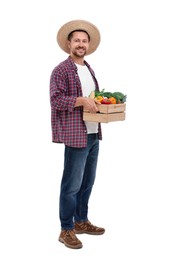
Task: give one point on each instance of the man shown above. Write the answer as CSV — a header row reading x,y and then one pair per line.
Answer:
x,y
71,83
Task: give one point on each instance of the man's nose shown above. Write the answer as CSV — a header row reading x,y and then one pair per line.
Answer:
x,y
81,43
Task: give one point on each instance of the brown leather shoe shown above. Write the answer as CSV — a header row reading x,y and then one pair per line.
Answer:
x,y
88,228
68,237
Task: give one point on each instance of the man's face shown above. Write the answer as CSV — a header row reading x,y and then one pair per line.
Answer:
x,y
79,44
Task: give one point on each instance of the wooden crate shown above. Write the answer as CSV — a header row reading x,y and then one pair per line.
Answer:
x,y
107,113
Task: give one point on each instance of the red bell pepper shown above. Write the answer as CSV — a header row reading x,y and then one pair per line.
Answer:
x,y
106,101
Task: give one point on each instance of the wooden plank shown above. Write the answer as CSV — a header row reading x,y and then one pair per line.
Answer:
x,y
112,108
103,118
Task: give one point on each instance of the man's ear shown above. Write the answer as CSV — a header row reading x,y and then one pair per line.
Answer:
x,y
68,44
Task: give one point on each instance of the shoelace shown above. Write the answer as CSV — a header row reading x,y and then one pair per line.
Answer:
x,y
70,233
88,225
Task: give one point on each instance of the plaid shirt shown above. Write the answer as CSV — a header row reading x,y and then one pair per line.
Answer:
x,y
67,122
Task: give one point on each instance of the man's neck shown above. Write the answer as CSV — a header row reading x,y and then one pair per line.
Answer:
x,y
78,60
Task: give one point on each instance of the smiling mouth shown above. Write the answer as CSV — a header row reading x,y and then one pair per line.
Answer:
x,y
80,49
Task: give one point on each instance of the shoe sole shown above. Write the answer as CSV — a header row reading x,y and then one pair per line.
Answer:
x,y
89,233
70,246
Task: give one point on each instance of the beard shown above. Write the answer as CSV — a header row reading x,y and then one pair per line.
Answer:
x,y
76,52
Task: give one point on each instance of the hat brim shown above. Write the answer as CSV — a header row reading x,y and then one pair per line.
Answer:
x,y
90,28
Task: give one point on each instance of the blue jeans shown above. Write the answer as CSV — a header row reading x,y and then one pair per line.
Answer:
x,y
77,181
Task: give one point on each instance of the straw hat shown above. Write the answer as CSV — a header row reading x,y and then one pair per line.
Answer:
x,y
73,25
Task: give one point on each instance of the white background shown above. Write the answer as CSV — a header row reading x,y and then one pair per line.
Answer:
x,y
132,196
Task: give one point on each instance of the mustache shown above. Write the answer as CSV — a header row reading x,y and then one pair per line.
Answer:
x,y
81,48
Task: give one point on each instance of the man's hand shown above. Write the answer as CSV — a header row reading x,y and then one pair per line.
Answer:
x,y
88,104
